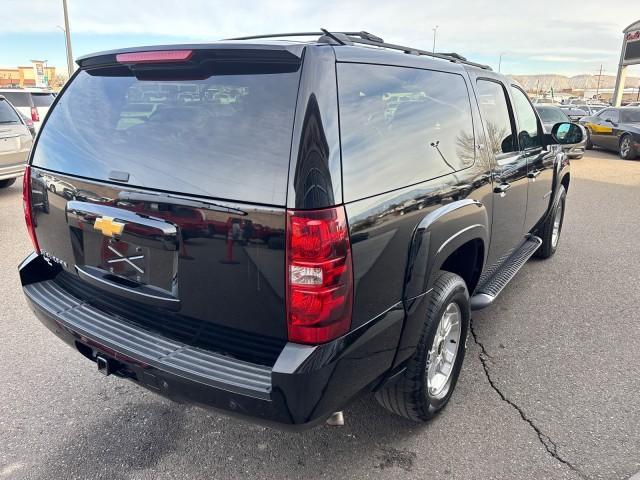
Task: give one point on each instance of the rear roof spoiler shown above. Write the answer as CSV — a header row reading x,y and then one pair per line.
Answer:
x,y
267,52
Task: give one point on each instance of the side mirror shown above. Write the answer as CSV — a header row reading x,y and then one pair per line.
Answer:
x,y
568,133
608,120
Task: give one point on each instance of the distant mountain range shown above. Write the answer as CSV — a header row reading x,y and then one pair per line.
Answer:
x,y
560,82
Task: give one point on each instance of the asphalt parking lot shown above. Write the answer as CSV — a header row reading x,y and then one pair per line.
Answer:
x,y
550,386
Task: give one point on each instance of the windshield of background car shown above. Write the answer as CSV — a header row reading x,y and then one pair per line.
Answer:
x,y
227,136
630,116
7,114
17,99
552,115
42,99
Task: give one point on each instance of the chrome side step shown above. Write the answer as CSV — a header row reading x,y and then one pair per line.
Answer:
x,y
492,286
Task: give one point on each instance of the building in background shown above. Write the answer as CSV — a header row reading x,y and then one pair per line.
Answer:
x,y
25,76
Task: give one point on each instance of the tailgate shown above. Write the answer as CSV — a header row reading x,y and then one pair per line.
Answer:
x,y
194,267
164,188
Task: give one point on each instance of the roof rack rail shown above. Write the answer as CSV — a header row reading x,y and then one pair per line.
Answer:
x,y
366,38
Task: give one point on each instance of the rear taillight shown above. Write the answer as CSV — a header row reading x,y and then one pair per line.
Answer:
x,y
159,56
28,208
319,275
34,114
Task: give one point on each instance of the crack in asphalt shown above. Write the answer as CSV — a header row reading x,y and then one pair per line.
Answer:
x,y
550,446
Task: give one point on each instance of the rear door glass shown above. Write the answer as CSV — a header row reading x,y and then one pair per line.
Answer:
x,y
227,136
401,126
494,107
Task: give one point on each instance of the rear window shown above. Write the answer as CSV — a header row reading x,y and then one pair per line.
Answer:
x,y
17,99
553,115
42,99
401,126
7,114
227,136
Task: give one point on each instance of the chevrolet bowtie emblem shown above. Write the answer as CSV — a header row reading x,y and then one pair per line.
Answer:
x,y
108,226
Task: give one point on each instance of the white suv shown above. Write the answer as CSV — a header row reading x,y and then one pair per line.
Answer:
x,y
34,103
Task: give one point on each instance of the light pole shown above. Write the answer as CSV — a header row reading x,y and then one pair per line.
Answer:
x,y
435,30
598,87
64,32
67,39
500,60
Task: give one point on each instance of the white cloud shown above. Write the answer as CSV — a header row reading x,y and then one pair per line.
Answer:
x,y
576,31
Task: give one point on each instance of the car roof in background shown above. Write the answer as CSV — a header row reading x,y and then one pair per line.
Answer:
x,y
27,90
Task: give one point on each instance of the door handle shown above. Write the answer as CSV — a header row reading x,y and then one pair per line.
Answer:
x,y
534,174
502,188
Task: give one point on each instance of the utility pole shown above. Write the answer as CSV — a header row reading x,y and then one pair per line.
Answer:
x,y
598,87
500,60
435,30
67,39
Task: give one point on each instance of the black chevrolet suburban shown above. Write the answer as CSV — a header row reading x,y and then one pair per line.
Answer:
x,y
273,227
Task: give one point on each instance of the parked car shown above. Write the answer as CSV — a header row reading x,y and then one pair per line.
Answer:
x,y
616,129
15,143
573,112
581,102
31,102
551,115
590,109
396,224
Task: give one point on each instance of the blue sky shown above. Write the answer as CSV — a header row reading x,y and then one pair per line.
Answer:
x,y
569,37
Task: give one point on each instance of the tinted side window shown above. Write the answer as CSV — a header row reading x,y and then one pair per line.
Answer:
x,y
609,115
400,126
528,132
17,99
495,114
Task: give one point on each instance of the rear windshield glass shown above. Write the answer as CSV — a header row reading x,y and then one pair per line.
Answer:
x,y
228,136
7,114
552,115
17,99
42,99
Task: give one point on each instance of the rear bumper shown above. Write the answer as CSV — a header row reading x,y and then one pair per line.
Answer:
x,y
304,386
12,171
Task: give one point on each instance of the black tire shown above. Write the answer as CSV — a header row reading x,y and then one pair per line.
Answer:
x,y
409,396
545,232
589,144
7,183
629,150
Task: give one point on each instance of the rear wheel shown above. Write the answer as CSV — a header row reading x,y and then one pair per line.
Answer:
x,y
627,150
432,372
552,227
7,183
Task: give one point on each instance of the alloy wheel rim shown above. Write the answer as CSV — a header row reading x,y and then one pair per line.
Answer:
x,y
626,146
444,351
557,221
